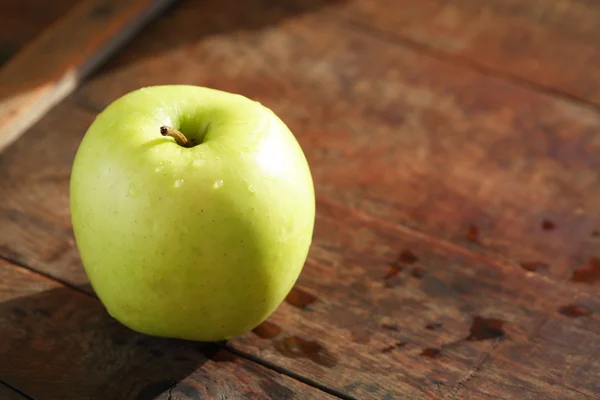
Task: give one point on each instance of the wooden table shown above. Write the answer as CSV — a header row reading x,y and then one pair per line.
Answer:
x,y
455,148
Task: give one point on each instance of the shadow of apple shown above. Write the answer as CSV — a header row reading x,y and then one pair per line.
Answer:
x,y
61,344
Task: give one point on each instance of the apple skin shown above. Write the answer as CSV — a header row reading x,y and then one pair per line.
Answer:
x,y
200,243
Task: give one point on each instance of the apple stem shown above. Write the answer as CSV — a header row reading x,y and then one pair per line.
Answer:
x,y
175,134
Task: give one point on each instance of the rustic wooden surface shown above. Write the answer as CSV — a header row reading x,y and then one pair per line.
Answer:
x,y
50,66
551,45
58,343
23,20
457,246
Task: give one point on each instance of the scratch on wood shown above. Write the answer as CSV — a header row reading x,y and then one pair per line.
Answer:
x,y
472,372
568,371
576,390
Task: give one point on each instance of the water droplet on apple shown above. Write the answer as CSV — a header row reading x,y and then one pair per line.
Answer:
x,y
218,184
178,182
197,163
159,168
133,191
251,188
283,235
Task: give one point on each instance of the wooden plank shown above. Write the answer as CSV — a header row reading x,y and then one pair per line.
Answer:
x,y
51,66
58,343
22,20
508,37
7,393
403,296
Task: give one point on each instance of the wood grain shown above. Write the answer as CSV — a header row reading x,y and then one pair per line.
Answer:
x,y
550,43
51,66
457,150
434,272
60,344
22,20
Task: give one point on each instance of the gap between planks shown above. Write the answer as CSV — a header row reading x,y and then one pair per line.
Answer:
x,y
16,390
462,62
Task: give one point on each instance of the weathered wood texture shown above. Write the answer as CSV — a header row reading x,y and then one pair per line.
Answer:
x,y
57,343
50,66
454,150
22,20
552,43
456,240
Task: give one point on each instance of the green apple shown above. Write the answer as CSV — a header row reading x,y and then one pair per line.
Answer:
x,y
198,234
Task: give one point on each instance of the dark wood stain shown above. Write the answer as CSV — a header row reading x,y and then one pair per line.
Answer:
x,y
433,326
589,273
267,330
535,266
223,356
296,347
390,348
407,257
417,273
431,352
390,327
472,234
574,311
486,328
548,225
300,298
